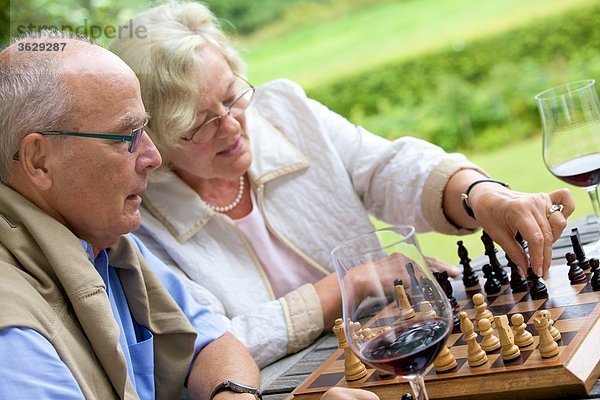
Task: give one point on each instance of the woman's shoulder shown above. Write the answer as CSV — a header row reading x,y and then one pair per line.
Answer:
x,y
280,87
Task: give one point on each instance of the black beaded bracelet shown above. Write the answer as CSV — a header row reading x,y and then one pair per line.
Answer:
x,y
465,195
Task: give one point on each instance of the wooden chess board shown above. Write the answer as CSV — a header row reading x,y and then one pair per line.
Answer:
x,y
575,310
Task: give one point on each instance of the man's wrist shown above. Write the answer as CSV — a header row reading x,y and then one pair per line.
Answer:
x,y
234,388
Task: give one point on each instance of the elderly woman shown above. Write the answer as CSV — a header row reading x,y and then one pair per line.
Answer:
x,y
259,185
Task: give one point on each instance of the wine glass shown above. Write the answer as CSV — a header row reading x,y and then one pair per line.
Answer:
x,y
570,116
396,316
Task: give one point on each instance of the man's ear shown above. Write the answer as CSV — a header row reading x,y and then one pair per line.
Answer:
x,y
34,156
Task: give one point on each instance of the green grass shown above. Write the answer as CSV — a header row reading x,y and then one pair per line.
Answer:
x,y
520,165
389,31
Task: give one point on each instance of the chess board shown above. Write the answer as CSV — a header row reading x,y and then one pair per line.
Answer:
x,y
575,310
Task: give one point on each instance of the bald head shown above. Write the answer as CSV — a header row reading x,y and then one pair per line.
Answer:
x,y
91,102
47,90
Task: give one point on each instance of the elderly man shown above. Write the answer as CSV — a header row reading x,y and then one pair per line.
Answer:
x,y
87,311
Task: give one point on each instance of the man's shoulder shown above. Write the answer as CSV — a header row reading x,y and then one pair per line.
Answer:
x,y
29,305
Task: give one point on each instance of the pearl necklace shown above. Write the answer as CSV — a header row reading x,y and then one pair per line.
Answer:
x,y
234,204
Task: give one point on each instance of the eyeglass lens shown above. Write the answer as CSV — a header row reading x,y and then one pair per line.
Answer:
x,y
235,109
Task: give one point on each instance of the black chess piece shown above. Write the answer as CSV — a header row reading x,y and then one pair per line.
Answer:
x,y
584,263
469,277
492,285
576,274
517,282
490,251
442,279
522,242
594,264
406,396
595,280
537,289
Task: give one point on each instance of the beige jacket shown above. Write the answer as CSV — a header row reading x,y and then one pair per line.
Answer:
x,y
49,285
317,180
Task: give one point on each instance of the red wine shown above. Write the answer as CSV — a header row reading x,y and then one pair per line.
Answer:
x,y
582,171
408,349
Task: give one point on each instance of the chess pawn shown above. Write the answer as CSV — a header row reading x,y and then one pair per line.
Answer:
x,y
510,350
517,282
492,285
354,369
523,337
406,310
594,263
367,333
554,332
489,341
445,361
576,274
426,310
537,289
355,330
548,347
475,354
481,310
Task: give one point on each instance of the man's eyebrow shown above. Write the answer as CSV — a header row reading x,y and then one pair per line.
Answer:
x,y
131,122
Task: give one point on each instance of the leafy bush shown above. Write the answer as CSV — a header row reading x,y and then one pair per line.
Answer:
x,y
478,97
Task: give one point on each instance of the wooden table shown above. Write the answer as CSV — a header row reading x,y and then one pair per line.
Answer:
x,y
296,368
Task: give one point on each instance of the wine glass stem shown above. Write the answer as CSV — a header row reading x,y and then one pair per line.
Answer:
x,y
418,387
593,192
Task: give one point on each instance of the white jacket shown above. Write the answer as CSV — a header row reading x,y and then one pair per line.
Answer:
x,y
317,178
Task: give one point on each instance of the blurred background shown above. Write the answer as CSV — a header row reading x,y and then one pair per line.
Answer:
x,y
459,73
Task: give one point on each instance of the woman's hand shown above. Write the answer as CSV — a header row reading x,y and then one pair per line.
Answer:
x,y
441,266
503,212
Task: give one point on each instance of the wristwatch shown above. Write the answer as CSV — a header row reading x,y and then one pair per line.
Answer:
x,y
235,387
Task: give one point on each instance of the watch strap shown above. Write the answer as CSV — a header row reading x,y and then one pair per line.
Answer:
x,y
235,387
465,196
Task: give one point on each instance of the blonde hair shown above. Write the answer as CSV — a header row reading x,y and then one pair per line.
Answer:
x,y
167,61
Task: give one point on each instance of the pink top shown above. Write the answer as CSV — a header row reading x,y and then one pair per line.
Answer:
x,y
285,269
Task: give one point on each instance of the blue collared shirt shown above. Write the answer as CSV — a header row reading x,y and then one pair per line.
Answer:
x,y
31,368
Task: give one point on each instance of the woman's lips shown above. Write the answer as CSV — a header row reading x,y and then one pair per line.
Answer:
x,y
233,150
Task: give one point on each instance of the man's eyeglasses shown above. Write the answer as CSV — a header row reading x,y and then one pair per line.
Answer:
x,y
244,95
133,139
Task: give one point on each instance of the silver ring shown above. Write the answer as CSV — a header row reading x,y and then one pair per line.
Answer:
x,y
554,208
